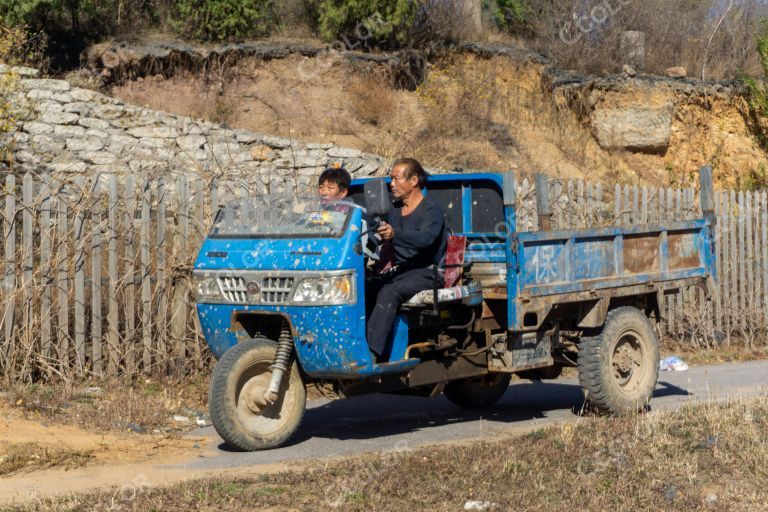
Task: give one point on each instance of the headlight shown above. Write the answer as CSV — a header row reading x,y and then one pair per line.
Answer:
x,y
205,288
325,290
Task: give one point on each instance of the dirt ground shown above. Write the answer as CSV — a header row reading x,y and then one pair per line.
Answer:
x,y
42,438
50,457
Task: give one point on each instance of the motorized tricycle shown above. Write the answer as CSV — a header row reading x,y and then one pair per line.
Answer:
x,y
280,280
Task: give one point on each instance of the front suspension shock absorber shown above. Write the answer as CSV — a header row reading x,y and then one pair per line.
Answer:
x,y
281,364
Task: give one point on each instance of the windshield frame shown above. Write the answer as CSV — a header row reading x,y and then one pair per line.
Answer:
x,y
283,236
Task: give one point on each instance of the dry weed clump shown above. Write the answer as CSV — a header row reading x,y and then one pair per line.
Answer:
x,y
145,406
709,456
85,79
460,101
373,100
30,456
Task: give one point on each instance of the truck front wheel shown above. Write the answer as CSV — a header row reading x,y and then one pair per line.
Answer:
x,y
477,392
241,414
618,368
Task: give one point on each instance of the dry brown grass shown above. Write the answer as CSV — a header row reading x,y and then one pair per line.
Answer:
x,y
15,458
722,354
703,457
461,100
145,405
373,100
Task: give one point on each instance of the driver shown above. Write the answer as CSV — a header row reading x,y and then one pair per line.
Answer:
x,y
417,234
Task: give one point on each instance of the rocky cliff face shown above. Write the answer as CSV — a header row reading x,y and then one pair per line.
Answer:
x,y
681,124
81,131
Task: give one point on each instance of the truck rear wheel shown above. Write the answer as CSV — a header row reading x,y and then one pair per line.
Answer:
x,y
239,411
618,368
477,392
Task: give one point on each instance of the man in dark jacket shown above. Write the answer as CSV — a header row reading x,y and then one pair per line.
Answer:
x,y
418,236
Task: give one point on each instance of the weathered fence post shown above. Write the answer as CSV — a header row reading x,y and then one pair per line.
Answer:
x,y
543,208
112,312
129,282
146,290
96,306
27,265
62,278
180,302
9,288
79,236
162,292
47,270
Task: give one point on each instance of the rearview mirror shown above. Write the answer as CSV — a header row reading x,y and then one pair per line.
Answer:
x,y
377,200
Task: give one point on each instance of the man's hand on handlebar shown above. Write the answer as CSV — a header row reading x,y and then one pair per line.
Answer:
x,y
386,231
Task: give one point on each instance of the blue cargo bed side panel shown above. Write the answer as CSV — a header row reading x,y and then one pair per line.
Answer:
x,y
555,262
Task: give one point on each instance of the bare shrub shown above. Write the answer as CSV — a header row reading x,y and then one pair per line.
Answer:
x,y
223,110
444,20
373,100
461,100
296,18
20,47
85,79
585,35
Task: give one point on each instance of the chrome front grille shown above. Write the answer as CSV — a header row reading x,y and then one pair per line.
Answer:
x,y
273,289
276,290
233,288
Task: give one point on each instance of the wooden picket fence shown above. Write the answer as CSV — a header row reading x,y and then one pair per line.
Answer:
x,y
96,271
739,306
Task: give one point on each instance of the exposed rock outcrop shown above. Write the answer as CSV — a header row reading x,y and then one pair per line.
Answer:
x,y
636,128
686,121
677,72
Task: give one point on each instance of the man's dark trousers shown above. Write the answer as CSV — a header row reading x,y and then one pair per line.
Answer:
x,y
383,296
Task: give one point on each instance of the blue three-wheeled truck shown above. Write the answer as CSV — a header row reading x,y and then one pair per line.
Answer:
x,y
280,281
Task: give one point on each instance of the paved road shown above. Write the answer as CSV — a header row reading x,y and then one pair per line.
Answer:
x,y
387,422
381,423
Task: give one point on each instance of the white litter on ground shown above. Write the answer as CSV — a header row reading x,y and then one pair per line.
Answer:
x,y
673,364
477,505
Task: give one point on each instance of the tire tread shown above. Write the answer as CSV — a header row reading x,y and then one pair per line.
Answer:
x,y
224,424
591,365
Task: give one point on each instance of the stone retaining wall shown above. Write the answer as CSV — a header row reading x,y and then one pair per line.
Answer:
x,y
81,131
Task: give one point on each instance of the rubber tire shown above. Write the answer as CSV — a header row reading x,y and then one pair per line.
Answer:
x,y
603,391
222,400
476,393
